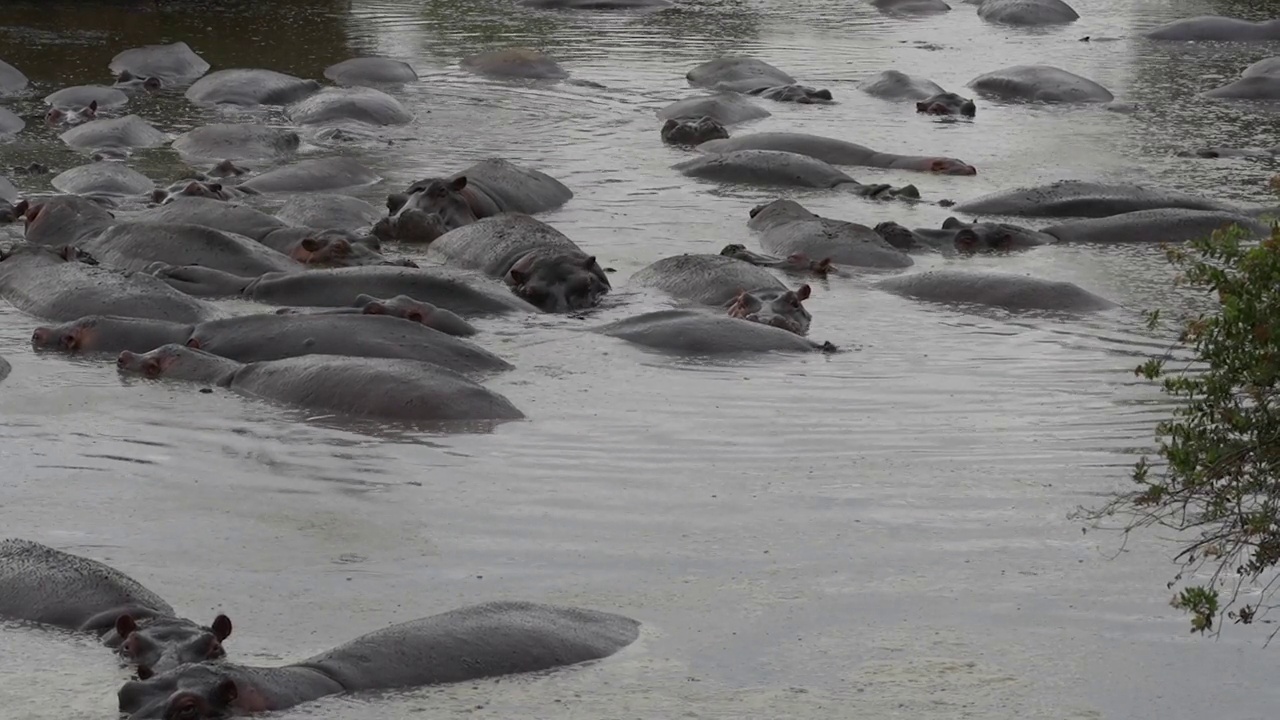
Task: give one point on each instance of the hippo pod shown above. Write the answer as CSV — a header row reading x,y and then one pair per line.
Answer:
x,y
538,263
698,332
692,131
470,643
1075,198
1010,292
778,168
172,64
787,228
1040,83
1027,12
44,585
1210,28
837,152
752,76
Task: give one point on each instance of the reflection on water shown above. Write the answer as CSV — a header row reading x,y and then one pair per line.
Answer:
x,y
879,532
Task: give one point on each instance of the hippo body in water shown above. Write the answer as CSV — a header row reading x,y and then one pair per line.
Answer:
x,y
795,263
12,81
1255,87
787,228
1171,225
228,217
358,387
535,260
102,178
752,76
970,237
44,585
401,306
1040,83
724,108
55,284
692,131
947,104
744,290
370,71
1027,12
137,245
1266,66
173,64
1003,290
897,85
1211,28
314,175
324,210
837,152
1075,198
353,104
118,134
235,141
911,7
697,332
65,220
774,167
514,63
470,643
249,87
329,248
10,124
83,96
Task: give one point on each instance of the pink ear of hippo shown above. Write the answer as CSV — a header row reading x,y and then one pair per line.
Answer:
x,y
125,625
803,292
222,627
458,184
375,308
193,343
589,262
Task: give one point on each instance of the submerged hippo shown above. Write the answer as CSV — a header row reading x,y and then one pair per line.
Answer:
x,y
65,219
514,62
837,152
102,178
44,585
1011,292
594,4
692,131
947,104
1266,66
126,132
359,387
535,260
351,104
774,167
172,64
57,284
56,116
82,96
897,85
1171,225
469,643
228,217
911,7
723,108
1256,87
249,87
1040,83
235,141
753,77
12,81
10,124
371,71
329,248
1027,12
786,228
745,291
797,263
312,175
137,245
698,332
324,210
1076,198
984,236
400,306
1207,28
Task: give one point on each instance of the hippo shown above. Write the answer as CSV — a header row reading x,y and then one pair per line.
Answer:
x,y
226,169
1221,152
65,219
329,248
594,4
1266,66
466,294
483,190
774,167
908,240
468,643
1211,28
1160,225
109,334
1003,290
229,217
984,236
44,585
400,306
249,87
356,387
312,175
173,64
837,152
744,290
538,263
199,188
947,104
137,245
1027,12
796,263
12,81
129,82
896,85
1040,83
235,141
1076,198
697,332
801,94
10,124
56,116
82,96
692,131
126,132
5,369
323,210
910,7
1256,87
514,63
786,228
356,104
102,178
753,77
62,284
724,108
366,71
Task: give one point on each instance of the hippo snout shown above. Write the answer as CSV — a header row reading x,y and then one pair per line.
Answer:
x,y
756,210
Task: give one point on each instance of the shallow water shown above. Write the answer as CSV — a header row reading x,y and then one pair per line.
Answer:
x,y
879,533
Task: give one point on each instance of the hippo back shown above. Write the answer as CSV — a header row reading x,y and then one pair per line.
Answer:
x,y
1076,198
464,293
764,167
1004,290
217,214
135,245
515,189
697,332
707,279
480,641
494,244
67,220
829,150
40,584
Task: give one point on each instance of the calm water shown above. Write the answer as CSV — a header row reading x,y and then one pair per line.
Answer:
x,y
880,533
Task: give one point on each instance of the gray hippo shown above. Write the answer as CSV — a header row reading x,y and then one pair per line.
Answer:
x,y
125,133
1209,28
228,217
743,290
723,108
61,284
102,178
5,369
692,131
12,81
1027,12
1265,66
44,585
235,141
1003,290
538,263
974,237
483,190
199,188
312,175
753,77
1160,225
128,82
172,64
57,116
786,228
1040,83
774,167
947,104
355,104
249,87
82,96
795,263
697,332
1076,198
469,643
516,62
329,248
1256,87
837,152
595,4
331,212
368,71
400,306
897,85
138,245
65,219
466,294
910,7
354,387
10,124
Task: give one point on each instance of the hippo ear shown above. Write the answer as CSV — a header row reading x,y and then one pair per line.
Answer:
x,y
922,107
216,187
803,292
125,625
668,125
375,308
458,184
310,244
823,267
20,208
226,692
93,106
145,673
193,343
518,277
192,188
221,627
589,262
951,224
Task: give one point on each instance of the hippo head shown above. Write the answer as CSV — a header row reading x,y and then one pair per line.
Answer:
x,y
194,691
196,188
802,94
414,225
159,644
561,283
70,337
980,237
178,362
801,263
58,116
692,131
331,251
226,169
446,198
779,308
129,80
898,236
950,166
401,306
11,213
947,104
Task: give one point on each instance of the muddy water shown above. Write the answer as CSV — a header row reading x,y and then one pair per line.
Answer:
x,y
880,533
